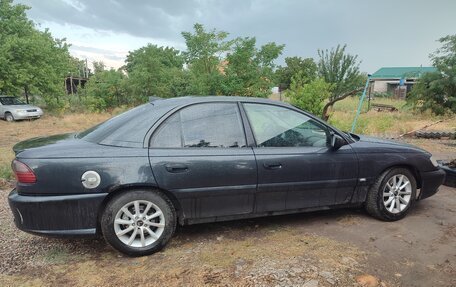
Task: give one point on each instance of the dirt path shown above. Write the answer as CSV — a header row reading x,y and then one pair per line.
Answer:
x,y
315,249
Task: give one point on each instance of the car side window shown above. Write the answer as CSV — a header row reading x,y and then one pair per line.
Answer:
x,y
168,134
202,125
275,126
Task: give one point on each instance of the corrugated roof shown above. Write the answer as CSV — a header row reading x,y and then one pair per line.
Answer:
x,y
401,72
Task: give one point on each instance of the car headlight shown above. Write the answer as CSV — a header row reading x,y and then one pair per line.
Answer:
x,y
21,111
434,162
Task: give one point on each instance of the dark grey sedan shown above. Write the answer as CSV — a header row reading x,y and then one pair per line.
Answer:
x,y
190,160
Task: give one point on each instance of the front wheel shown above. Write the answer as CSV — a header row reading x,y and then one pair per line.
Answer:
x,y
138,222
9,117
392,195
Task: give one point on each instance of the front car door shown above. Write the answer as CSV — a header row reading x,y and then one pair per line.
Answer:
x,y
296,168
200,154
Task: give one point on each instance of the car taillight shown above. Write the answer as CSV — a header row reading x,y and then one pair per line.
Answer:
x,y
24,174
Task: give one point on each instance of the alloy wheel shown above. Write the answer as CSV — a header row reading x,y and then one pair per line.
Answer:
x,y
139,223
397,193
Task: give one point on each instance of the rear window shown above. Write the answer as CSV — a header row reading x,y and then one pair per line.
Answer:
x,y
127,129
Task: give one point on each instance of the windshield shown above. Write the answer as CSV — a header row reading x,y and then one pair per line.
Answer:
x,y
11,101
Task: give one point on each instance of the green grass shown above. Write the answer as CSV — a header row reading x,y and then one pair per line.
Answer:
x,y
6,172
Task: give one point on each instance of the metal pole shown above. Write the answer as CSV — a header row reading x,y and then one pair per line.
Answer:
x,y
369,97
360,105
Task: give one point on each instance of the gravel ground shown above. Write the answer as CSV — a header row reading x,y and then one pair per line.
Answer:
x,y
335,248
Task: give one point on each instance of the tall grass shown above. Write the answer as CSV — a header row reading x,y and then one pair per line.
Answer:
x,y
382,123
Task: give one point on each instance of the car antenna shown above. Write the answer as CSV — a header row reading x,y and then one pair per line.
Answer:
x,y
153,99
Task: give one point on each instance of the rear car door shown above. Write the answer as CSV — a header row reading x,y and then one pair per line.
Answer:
x,y
296,168
200,154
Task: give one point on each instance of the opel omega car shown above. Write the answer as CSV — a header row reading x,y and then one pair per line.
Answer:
x,y
12,109
191,160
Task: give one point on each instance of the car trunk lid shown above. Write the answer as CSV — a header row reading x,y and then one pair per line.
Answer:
x,y
42,141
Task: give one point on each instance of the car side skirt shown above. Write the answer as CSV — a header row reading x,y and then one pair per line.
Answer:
x,y
190,221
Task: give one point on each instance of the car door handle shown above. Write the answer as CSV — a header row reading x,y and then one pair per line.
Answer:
x,y
275,165
176,167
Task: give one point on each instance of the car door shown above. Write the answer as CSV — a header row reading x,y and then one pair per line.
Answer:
x,y
199,153
296,168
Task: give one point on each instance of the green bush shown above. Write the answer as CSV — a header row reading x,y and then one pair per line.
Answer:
x,y
93,104
436,91
56,105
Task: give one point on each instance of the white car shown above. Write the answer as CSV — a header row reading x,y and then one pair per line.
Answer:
x,y
12,109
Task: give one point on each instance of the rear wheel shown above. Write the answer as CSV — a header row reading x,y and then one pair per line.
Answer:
x,y
9,117
392,195
138,222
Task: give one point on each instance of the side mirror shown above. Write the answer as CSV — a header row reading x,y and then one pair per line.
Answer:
x,y
336,141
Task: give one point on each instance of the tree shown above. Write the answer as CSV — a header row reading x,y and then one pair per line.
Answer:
x,y
32,62
296,65
437,91
98,66
341,70
105,89
310,96
204,55
249,71
153,71
205,49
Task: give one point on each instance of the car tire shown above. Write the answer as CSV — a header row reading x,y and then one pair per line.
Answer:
x,y
392,195
9,117
138,233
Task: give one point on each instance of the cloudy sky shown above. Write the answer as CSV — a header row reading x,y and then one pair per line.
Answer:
x,y
382,33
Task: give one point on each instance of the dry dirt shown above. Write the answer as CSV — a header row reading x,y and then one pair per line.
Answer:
x,y
336,248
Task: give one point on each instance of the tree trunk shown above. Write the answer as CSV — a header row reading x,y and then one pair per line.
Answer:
x,y
26,94
325,114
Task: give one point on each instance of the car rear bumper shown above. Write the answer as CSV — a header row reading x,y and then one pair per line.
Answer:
x,y
430,182
64,215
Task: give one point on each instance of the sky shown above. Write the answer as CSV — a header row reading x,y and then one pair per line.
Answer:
x,y
382,33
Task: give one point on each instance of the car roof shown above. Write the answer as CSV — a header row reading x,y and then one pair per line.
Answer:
x,y
182,101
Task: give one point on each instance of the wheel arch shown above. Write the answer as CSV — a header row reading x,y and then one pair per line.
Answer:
x,y
151,187
410,167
